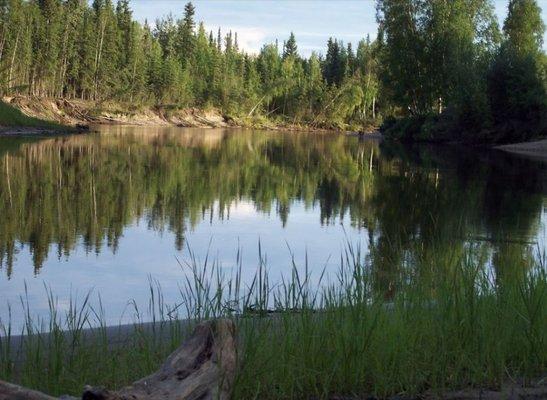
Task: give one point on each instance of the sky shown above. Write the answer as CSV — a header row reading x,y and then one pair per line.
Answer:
x,y
263,21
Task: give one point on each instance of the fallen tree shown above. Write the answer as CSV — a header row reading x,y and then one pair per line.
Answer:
x,y
202,368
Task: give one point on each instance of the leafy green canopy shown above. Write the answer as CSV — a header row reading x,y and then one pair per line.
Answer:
x,y
452,74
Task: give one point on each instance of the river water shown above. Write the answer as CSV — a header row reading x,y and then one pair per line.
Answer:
x,y
109,212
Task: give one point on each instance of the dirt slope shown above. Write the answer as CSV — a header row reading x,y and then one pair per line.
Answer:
x,y
79,112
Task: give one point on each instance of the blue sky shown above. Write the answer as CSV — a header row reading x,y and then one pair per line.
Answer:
x,y
262,21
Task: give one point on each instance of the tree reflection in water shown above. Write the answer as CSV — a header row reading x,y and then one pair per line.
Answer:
x,y
417,206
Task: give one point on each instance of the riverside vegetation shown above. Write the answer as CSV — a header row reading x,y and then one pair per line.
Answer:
x,y
97,52
449,324
449,294
439,71
451,291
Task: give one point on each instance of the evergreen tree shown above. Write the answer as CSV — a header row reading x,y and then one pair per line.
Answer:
x,y
350,60
166,34
430,58
185,35
290,49
127,58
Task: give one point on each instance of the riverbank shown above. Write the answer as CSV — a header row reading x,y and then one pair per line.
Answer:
x,y
440,339
77,113
536,149
14,122
166,331
446,129
81,113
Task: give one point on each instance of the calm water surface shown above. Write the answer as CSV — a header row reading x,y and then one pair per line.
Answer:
x,y
109,211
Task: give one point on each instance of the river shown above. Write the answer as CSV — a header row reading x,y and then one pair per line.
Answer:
x,y
112,211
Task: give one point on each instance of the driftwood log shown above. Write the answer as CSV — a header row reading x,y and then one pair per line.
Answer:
x,y
202,368
14,392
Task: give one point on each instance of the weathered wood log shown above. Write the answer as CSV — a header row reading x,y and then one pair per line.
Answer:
x,y
203,368
9,391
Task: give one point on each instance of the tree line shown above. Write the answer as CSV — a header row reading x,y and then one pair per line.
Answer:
x,y
72,49
437,69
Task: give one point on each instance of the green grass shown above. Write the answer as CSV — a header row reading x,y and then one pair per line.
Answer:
x,y
448,323
12,117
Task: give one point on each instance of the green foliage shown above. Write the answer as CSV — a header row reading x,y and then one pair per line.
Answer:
x,y
431,51
518,96
445,58
524,27
517,80
430,57
97,52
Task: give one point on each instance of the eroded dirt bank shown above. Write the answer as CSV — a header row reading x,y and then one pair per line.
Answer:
x,y
82,113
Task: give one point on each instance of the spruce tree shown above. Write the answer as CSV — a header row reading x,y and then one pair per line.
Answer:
x,y
290,49
334,69
186,36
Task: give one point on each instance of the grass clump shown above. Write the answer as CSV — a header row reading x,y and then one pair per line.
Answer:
x,y
445,324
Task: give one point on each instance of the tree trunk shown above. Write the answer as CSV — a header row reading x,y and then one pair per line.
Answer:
x,y
202,368
255,107
98,55
13,59
3,41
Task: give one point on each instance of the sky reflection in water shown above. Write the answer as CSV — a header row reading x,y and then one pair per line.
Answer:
x,y
109,211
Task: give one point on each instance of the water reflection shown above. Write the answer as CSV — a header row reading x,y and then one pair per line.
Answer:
x,y
410,204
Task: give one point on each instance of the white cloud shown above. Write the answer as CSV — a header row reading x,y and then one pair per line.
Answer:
x,y
250,39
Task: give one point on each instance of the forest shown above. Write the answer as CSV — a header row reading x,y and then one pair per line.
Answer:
x,y
437,70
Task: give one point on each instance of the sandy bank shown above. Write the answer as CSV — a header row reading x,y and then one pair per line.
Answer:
x,y
77,113
536,150
80,113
